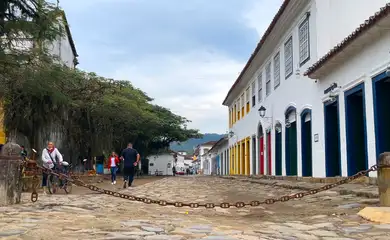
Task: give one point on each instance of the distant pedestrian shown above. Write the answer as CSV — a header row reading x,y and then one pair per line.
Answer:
x,y
130,158
113,162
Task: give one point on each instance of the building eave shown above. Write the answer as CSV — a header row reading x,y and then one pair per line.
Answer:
x,y
258,47
219,142
348,46
69,34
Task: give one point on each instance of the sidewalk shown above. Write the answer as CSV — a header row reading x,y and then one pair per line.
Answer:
x,y
359,189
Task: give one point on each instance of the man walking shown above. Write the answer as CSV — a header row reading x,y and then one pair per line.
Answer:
x,y
130,158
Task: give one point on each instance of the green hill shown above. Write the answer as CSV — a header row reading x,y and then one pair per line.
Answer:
x,y
189,145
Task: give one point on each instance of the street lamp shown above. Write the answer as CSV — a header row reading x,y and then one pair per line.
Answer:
x,y
262,110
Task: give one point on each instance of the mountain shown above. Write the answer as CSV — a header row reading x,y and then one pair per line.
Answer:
x,y
189,145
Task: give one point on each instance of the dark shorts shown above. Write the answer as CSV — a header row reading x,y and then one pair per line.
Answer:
x,y
128,171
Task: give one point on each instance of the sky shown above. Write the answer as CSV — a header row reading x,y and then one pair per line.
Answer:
x,y
184,54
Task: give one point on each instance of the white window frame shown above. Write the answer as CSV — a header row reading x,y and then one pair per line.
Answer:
x,y
247,95
304,41
268,79
277,70
253,93
288,59
260,87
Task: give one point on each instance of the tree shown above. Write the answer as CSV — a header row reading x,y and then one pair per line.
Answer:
x,y
93,114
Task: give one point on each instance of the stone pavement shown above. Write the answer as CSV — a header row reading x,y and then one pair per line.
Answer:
x,y
356,188
326,216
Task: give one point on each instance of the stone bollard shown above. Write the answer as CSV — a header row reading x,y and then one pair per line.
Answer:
x,y
384,180
10,174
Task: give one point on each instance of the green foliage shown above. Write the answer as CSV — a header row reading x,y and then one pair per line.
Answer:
x,y
98,114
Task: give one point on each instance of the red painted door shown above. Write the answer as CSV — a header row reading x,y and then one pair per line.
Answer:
x,y
261,155
269,154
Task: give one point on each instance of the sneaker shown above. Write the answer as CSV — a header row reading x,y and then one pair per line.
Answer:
x,y
114,182
124,184
44,190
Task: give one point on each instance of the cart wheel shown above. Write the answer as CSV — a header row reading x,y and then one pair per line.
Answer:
x,y
53,184
68,187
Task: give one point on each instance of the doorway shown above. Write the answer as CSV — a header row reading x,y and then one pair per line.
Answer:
x,y
253,159
355,120
291,142
306,132
261,149
242,161
269,154
381,93
332,139
278,149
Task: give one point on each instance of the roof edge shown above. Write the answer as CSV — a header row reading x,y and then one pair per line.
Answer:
x,y
69,34
258,47
368,24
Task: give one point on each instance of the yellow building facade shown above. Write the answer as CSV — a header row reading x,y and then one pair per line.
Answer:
x,y
2,128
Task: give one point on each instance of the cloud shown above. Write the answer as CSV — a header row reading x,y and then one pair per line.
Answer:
x,y
260,15
184,54
190,84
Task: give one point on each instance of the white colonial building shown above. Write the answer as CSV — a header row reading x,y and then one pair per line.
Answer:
x,y
219,157
203,162
276,112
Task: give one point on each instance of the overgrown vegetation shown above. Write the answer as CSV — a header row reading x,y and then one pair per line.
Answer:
x,y
96,113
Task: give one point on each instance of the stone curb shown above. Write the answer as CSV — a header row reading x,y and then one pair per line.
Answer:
x,y
370,191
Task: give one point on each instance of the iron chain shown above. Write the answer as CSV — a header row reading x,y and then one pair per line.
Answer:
x,y
75,180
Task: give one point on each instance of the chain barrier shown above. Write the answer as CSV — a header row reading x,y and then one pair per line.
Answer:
x,y
75,180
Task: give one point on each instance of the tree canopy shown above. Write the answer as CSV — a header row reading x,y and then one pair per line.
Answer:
x,y
97,113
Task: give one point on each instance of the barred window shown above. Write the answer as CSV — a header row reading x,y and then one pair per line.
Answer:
x,y
304,46
277,70
268,79
260,87
288,57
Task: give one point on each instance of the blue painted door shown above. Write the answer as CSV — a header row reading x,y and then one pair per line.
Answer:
x,y
332,139
307,165
355,120
381,92
278,153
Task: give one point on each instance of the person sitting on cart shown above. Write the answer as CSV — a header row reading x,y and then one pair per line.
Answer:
x,y
52,159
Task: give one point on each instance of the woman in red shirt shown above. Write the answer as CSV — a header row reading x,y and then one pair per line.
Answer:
x,y
113,162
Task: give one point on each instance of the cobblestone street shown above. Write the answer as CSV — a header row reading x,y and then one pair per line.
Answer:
x,y
324,216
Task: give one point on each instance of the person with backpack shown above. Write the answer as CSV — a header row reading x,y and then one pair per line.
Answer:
x,y
52,159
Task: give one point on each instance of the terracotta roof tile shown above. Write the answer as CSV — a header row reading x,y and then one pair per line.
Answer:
x,y
383,12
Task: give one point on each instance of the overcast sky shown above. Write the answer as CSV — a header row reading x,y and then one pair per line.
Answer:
x,y
185,54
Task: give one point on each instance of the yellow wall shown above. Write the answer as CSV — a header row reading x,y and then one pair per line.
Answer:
x,y
2,130
237,165
247,157
242,158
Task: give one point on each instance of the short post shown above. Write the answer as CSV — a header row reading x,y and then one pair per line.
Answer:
x,y
10,174
384,180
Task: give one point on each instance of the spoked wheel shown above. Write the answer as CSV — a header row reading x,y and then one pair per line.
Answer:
x,y
67,187
53,184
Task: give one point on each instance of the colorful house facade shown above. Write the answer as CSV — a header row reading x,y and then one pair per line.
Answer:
x,y
277,113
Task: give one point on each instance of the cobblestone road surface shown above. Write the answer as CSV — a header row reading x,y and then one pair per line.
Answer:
x,y
326,216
